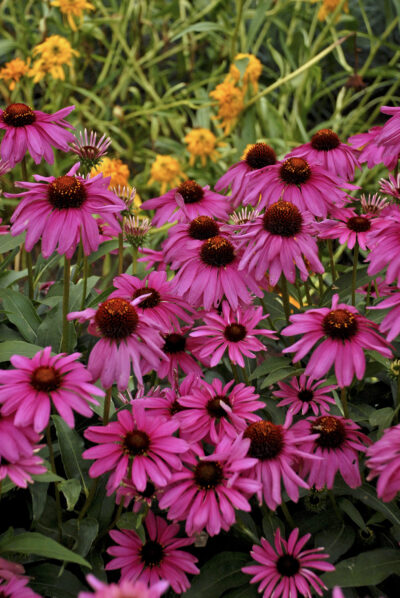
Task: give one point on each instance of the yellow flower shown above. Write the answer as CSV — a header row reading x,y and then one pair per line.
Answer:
x,y
230,103
115,168
55,50
202,142
41,68
252,72
167,171
13,71
73,8
328,7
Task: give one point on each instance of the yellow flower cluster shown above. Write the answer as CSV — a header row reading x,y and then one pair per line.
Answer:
x,y
230,104
251,74
73,8
54,52
167,171
328,7
13,71
201,143
116,169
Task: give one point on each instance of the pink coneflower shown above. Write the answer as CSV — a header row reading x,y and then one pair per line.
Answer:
x,y
349,227
213,411
255,157
389,136
5,166
326,149
391,187
383,460
304,393
124,589
89,149
391,322
188,236
233,330
9,570
209,489
377,288
61,210
152,259
345,332
16,441
337,447
180,351
29,391
137,442
20,470
276,450
162,307
168,405
17,588
33,130
128,491
285,569
158,558
371,152
186,202
211,272
126,340
279,241
308,186
373,204
385,245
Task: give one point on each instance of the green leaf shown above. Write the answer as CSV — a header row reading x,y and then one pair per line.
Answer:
x,y
280,374
38,494
49,580
20,311
271,364
84,533
35,543
366,569
10,348
336,540
367,495
7,242
71,447
270,524
71,490
130,520
6,45
350,510
219,574
197,28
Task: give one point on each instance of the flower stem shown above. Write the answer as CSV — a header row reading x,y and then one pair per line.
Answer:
x,y
89,498
245,377
30,273
287,515
285,297
65,326
56,489
107,403
234,371
354,279
307,290
331,259
343,399
134,259
120,253
85,277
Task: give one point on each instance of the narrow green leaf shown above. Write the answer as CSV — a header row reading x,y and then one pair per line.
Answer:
x,y
336,540
35,543
20,311
71,447
9,348
366,569
219,574
71,490
197,28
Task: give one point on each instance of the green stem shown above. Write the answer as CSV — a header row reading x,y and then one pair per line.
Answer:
x,y
65,324
85,277
234,371
287,515
332,261
30,273
343,400
285,297
245,377
368,297
107,404
120,253
320,287
57,491
334,505
236,30
354,278
89,498
134,259
300,298
78,264
307,290
24,169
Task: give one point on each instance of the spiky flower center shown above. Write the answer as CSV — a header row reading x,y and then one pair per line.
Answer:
x,y
217,252
190,191
266,440
287,565
359,224
152,301
202,228
18,115
235,332
149,491
152,553
260,155
66,192
283,219
331,430
305,395
325,140
175,407
340,324
46,379
136,443
208,475
116,318
214,408
174,343
295,171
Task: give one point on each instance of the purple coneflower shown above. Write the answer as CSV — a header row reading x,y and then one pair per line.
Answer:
x,y
304,393
391,322
188,236
124,589
158,558
349,227
285,570
383,460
